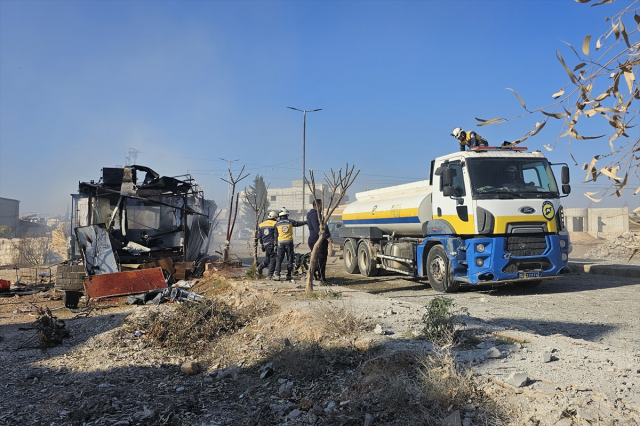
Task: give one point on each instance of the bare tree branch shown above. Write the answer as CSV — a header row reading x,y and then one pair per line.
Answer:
x,y
338,186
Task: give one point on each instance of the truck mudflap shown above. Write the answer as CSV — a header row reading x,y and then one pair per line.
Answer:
x,y
514,257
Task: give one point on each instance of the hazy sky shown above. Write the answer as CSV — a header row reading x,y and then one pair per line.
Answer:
x,y
187,83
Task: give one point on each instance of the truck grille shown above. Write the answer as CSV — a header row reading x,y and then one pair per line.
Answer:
x,y
535,264
526,246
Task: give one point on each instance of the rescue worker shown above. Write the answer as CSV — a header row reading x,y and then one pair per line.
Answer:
x,y
284,233
267,238
470,139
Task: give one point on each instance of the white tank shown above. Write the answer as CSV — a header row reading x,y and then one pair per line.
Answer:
x,y
402,209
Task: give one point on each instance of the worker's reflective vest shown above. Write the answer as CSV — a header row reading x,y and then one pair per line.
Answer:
x,y
472,139
267,232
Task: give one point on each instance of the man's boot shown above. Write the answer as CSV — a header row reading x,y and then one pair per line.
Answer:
x,y
276,277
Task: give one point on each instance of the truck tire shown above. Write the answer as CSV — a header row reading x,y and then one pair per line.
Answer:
x,y
350,258
440,272
528,284
367,266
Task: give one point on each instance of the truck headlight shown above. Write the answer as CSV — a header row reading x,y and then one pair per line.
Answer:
x,y
480,261
480,248
564,257
563,243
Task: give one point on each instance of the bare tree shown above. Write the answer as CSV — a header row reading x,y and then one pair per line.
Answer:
x,y
258,204
337,188
60,240
232,211
616,59
33,249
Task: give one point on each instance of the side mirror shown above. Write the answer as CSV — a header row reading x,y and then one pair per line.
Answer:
x,y
448,191
565,176
566,189
447,178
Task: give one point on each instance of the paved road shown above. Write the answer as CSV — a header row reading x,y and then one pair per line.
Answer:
x,y
595,308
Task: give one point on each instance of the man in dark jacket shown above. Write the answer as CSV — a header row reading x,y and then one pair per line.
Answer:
x,y
284,232
318,270
267,238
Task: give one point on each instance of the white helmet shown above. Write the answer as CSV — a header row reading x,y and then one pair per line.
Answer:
x,y
456,132
284,212
273,214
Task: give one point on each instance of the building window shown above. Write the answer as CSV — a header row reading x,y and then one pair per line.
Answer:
x,y
273,198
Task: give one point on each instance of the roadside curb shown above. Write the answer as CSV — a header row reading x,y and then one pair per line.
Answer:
x,y
629,271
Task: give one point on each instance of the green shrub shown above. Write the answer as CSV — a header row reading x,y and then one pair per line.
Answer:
x,y
441,322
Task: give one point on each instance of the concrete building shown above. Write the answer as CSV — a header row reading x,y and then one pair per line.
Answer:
x,y
291,198
10,216
599,222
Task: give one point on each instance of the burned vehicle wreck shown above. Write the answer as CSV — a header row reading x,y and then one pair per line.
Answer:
x,y
135,219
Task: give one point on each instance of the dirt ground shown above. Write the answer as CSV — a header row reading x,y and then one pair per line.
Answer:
x,y
348,354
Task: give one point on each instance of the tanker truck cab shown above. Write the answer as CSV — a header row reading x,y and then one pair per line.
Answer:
x,y
485,216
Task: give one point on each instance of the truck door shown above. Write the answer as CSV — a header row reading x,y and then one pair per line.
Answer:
x,y
452,200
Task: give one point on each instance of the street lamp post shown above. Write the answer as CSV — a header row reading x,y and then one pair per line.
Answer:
x,y
304,131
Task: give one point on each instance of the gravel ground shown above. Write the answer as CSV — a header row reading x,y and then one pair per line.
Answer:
x,y
564,353
577,339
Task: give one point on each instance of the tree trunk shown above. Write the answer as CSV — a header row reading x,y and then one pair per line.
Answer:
x,y
255,245
312,259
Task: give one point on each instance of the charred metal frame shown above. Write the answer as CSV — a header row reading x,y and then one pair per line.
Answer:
x,y
119,185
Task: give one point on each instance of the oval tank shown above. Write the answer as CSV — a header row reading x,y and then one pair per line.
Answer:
x,y
402,209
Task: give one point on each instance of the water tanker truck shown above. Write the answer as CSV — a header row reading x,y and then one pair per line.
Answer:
x,y
485,216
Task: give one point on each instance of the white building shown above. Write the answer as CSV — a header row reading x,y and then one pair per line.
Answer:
x,y
600,222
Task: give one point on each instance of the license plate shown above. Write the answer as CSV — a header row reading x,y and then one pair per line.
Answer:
x,y
526,275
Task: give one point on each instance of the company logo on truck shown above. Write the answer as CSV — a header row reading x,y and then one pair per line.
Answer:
x,y
527,210
548,211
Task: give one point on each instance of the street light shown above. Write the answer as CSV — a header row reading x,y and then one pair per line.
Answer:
x,y
228,184
304,130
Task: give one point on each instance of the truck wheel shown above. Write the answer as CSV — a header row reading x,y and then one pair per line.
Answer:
x,y
528,284
440,272
350,258
332,250
365,263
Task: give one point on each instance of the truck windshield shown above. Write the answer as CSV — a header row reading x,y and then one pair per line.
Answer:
x,y
512,177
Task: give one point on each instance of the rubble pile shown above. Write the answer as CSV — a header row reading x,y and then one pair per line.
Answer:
x,y
618,249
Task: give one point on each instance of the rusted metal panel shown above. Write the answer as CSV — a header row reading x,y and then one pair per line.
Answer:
x,y
123,283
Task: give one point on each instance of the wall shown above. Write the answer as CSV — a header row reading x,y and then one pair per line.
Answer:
x,y
608,221
599,222
7,251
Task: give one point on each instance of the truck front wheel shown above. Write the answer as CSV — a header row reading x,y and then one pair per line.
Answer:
x,y
350,258
368,267
440,272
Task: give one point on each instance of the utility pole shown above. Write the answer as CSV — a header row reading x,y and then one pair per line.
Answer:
x,y
304,131
132,157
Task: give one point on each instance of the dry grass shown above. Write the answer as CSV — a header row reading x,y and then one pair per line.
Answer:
x,y
338,321
192,326
50,330
443,380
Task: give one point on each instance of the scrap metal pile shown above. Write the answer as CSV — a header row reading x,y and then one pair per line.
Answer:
x,y
136,236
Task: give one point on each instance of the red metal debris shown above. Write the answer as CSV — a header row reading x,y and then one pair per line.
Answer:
x,y
123,283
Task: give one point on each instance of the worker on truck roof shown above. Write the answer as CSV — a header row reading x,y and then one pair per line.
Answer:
x,y
470,139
